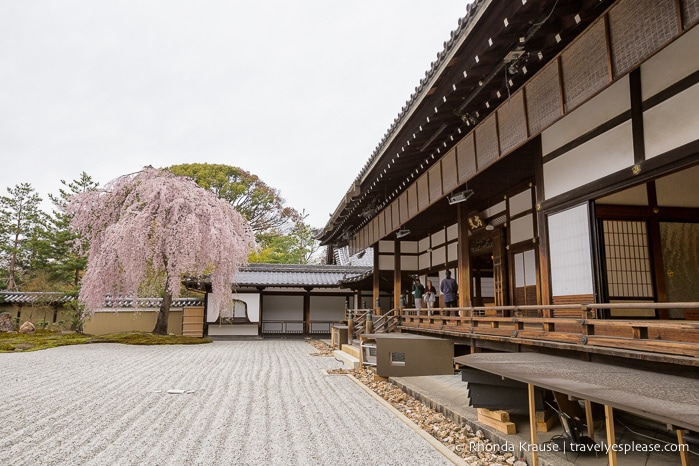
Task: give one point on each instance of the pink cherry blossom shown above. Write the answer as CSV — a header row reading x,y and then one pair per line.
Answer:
x,y
155,227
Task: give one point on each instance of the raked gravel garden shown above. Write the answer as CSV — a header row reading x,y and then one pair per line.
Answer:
x,y
228,402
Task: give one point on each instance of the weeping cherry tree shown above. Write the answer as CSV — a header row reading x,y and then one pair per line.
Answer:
x,y
146,230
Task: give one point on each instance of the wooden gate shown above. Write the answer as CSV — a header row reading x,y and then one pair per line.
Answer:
x,y
193,322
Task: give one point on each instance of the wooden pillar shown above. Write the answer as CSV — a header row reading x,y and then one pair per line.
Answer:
x,y
397,283
589,420
611,438
661,294
307,311
532,424
259,324
544,278
500,273
463,257
684,450
377,281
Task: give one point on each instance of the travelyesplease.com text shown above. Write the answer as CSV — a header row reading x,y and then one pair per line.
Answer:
x,y
570,447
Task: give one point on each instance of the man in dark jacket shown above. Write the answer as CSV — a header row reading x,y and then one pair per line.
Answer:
x,y
449,289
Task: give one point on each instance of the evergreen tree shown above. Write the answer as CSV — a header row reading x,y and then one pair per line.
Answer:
x,y
21,221
62,262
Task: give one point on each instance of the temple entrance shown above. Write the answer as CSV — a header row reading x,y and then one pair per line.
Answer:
x,y
488,269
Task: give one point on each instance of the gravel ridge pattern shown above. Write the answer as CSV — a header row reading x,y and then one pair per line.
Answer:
x,y
245,402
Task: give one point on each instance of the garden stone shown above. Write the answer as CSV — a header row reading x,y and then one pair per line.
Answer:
x,y
6,324
27,327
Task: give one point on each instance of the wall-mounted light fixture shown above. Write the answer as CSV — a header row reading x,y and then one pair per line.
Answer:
x,y
402,232
460,196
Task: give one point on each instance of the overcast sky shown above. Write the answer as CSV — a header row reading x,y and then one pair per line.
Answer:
x,y
297,92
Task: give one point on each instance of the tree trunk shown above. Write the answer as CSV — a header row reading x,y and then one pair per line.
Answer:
x,y
11,283
163,315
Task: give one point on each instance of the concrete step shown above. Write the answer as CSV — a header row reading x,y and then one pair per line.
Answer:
x,y
350,361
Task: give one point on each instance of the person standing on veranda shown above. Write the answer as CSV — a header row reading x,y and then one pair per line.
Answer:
x,y
449,289
418,291
430,295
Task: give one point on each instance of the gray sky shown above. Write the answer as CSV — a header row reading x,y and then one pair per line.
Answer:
x,y
296,92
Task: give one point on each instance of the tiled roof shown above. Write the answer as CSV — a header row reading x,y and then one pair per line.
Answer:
x,y
298,275
151,302
51,297
464,27
36,297
358,278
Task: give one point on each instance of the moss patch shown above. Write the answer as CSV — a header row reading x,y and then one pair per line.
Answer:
x,y
43,339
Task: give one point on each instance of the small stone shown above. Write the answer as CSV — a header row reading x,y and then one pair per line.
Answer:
x,y
510,460
27,328
479,434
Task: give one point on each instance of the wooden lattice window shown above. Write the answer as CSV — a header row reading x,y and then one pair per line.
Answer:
x,y
627,259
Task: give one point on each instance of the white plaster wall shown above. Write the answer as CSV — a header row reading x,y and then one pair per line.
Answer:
x,y
610,103
386,246
327,308
452,232
606,154
438,238
424,260
672,123
680,189
520,202
522,229
439,255
423,244
386,262
570,252
637,195
409,247
676,61
251,300
282,307
452,251
409,263
496,209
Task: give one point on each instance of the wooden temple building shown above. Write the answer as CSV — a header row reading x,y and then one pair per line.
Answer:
x,y
549,159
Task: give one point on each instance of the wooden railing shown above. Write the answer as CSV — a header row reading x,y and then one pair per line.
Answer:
x,y
357,317
565,324
381,323
386,323
296,326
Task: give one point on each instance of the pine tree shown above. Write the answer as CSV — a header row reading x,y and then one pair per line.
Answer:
x,y
20,221
55,256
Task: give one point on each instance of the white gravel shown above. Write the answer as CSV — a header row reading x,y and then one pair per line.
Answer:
x,y
247,402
